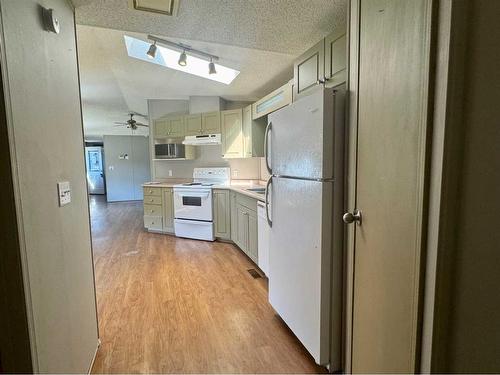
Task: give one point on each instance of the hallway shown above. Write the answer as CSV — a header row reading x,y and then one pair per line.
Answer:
x,y
174,305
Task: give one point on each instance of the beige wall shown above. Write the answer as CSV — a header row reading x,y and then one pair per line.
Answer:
x,y
46,143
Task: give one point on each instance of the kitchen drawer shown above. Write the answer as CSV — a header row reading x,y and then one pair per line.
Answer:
x,y
248,202
152,191
153,222
152,199
153,210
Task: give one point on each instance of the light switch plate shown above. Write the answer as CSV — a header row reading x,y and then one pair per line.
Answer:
x,y
64,191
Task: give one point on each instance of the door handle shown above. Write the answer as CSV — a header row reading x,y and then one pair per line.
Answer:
x,y
266,140
269,183
355,216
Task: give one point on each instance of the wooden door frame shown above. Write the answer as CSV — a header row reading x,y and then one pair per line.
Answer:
x,y
354,8
351,162
16,348
447,153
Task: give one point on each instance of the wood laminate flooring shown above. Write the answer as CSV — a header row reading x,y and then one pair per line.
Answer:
x,y
172,305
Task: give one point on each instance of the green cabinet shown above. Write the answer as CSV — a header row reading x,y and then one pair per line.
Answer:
x,y
161,128
234,216
153,209
193,124
210,123
244,224
232,133
168,210
336,58
159,209
253,134
309,68
172,126
176,126
203,123
222,213
273,101
325,62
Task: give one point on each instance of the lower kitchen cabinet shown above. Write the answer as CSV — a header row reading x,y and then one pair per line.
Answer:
x,y
158,209
234,216
222,213
244,224
168,210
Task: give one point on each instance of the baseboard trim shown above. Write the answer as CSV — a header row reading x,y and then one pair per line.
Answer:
x,y
94,357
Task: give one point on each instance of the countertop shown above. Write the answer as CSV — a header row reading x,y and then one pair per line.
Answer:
x,y
238,186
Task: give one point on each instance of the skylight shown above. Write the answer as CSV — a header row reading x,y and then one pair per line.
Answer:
x,y
168,58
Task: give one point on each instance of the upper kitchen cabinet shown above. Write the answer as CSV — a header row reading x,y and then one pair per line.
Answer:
x,y
253,134
203,123
210,122
160,128
309,69
176,126
324,63
172,126
273,101
335,58
192,124
232,133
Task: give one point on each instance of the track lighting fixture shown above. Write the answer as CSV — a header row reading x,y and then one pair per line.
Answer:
x,y
152,50
183,59
211,67
174,56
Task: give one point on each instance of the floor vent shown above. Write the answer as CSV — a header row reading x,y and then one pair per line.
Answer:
x,y
254,273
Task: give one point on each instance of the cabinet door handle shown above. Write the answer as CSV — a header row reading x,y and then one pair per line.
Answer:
x,y
320,82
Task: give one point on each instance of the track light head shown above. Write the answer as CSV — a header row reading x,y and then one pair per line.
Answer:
x,y
183,59
211,67
152,51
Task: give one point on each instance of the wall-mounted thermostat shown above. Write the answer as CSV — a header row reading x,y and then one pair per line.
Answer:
x,y
50,21
64,191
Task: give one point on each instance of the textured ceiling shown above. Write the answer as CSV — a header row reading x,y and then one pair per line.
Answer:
x,y
261,38
287,26
112,83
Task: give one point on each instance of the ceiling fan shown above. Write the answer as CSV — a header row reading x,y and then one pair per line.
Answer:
x,y
131,123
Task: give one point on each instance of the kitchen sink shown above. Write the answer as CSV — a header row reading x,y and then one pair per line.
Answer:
x,y
257,190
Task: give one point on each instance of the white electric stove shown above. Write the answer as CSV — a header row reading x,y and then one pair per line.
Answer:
x,y
193,213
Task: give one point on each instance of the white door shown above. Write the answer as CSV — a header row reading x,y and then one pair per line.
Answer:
x,y
302,137
95,172
299,260
390,176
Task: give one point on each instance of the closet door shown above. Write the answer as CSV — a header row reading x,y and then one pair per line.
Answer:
x,y
394,45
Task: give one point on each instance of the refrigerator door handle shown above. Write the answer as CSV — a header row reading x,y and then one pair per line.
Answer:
x,y
266,154
268,185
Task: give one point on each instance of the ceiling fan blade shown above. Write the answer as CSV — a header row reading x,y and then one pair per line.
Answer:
x,y
120,123
139,124
137,114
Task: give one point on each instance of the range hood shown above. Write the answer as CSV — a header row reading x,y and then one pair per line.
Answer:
x,y
200,140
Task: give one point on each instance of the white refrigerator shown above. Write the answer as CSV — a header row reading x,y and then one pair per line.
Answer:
x,y
304,199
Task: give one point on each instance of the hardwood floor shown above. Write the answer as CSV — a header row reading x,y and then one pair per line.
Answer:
x,y
171,305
